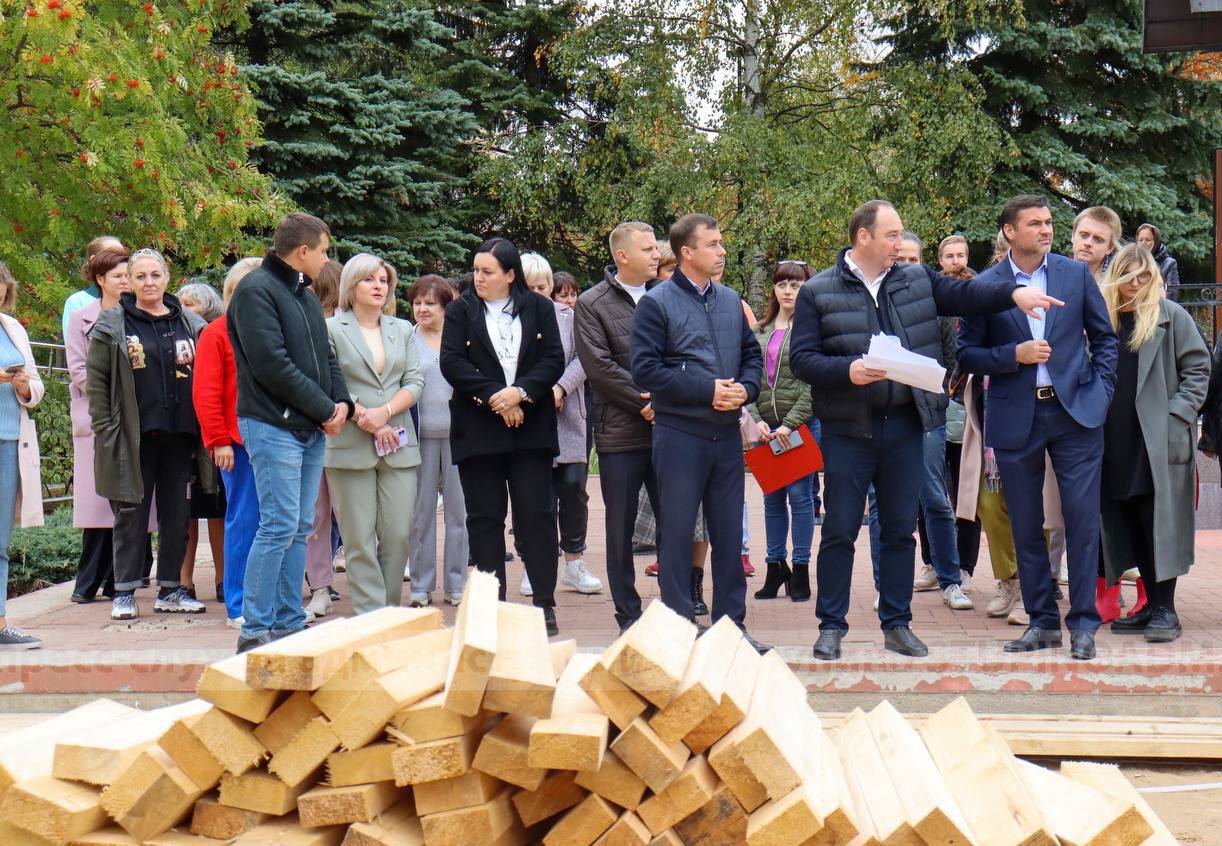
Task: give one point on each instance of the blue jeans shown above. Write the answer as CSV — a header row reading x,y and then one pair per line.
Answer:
x,y
287,475
241,524
10,481
798,497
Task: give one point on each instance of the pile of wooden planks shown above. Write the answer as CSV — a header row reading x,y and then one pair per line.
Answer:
x,y
391,730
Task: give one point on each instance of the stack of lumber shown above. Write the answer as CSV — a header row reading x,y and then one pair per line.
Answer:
x,y
391,730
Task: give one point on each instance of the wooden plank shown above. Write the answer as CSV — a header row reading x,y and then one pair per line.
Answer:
x,y
628,830
735,700
259,791
836,803
703,684
655,654
474,646
212,819
1080,815
521,680
504,753
694,787
370,710
640,748
322,805
429,719
305,660
575,736
297,761
399,826
980,774
721,821
557,793
224,684
489,822
361,766
290,832
450,794
857,788
191,756
618,701
230,740
286,721
112,835
583,824
928,805
151,796
53,808
369,663
872,782
666,838
434,760
561,652
1108,779
615,782
791,820
176,838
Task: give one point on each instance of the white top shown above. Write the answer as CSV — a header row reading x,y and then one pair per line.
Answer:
x,y
1037,278
636,292
873,286
377,350
505,330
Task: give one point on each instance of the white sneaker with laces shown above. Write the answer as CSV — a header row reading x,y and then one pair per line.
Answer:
x,y
956,599
13,638
577,577
965,580
123,607
178,601
1004,599
927,579
525,589
235,623
320,602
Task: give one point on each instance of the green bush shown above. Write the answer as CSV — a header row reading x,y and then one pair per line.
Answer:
x,y
44,556
51,416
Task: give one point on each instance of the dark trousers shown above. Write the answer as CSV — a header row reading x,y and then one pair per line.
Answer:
x,y
967,532
95,570
1137,521
691,471
1077,460
490,483
166,463
572,503
621,475
893,460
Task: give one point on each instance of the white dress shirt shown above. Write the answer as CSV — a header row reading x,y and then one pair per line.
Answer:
x,y
505,330
874,285
1038,278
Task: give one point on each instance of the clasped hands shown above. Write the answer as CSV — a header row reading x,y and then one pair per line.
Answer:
x,y
728,395
507,403
376,422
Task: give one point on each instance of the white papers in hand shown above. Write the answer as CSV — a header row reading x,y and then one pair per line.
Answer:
x,y
904,366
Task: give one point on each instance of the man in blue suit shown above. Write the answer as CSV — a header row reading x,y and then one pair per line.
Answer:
x,y
1050,384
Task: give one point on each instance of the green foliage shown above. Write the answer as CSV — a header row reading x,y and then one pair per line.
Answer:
x,y
51,417
120,118
44,556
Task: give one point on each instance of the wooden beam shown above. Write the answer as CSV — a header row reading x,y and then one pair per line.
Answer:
x,y
615,782
684,796
489,822
305,660
1080,815
655,654
557,793
474,646
297,761
868,771
224,684
836,804
259,791
151,796
286,722
434,760
628,830
191,756
583,824
657,763
53,808
231,741
290,832
1108,779
366,665
399,826
361,766
112,835
618,701
504,753
867,832
450,794
704,682
429,719
322,805
371,710
561,652
521,680
220,822
575,736
721,821
735,700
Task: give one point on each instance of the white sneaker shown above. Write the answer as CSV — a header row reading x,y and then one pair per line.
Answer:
x,y
1130,575
1004,599
320,602
1018,617
235,623
577,577
525,589
419,600
965,580
956,599
123,607
453,598
876,598
927,579
178,601
309,616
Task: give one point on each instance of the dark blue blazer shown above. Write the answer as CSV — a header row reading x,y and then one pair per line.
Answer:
x,y
1083,362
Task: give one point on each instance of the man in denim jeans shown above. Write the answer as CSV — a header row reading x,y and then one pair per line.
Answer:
x,y
290,394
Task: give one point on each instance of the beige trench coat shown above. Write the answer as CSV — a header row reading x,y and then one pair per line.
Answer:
x,y
29,493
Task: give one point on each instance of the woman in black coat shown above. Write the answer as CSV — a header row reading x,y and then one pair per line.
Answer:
x,y
501,352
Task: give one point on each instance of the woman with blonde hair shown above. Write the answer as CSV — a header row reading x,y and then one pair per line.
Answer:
x,y
21,389
1149,469
215,394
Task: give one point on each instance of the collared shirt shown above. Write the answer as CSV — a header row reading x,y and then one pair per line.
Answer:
x,y
873,286
1036,279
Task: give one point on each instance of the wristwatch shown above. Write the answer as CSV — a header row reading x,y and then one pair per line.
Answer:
x,y
522,392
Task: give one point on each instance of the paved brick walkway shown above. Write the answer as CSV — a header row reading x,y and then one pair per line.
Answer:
x,y
84,651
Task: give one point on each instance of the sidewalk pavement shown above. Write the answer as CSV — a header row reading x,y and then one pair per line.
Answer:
x,y
84,651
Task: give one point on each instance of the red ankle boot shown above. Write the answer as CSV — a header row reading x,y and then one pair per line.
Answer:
x,y
1107,600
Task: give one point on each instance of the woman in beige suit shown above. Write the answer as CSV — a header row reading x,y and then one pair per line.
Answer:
x,y
371,464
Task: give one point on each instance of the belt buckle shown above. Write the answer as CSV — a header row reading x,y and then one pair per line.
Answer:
x,y
1045,393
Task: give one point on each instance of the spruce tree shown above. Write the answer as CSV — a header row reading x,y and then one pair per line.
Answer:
x,y
1093,120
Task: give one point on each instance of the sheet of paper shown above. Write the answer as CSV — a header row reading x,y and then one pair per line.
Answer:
x,y
903,365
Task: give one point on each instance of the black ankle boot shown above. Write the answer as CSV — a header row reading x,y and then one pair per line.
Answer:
x,y
777,577
799,583
698,606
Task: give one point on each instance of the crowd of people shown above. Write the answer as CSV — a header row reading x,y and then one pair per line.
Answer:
x,y
295,412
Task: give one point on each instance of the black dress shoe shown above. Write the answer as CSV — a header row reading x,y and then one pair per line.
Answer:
x,y
549,617
1164,626
827,647
82,600
245,644
1035,638
761,648
1082,645
903,641
1134,623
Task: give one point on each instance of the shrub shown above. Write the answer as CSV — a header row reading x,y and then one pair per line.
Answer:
x,y
51,416
44,556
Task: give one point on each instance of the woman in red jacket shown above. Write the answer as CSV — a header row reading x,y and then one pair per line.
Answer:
x,y
215,392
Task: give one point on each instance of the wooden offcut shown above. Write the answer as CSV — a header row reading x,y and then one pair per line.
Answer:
x,y
721,821
522,680
450,794
1107,778
667,838
655,654
259,791
370,710
699,693
434,760
491,822
474,646
615,782
574,736
1080,815
367,664
307,659
557,793
224,684
657,763
399,826
53,808
305,753
286,721
210,818
583,824
151,796
504,752
867,769
628,830
228,739
735,700
323,805
685,795
429,719
191,756
112,835
619,702
361,766
290,832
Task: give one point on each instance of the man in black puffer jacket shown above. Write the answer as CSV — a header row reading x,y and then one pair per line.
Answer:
x,y
873,428
290,394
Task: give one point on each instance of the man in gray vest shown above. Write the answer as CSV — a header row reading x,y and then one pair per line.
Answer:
x,y
873,428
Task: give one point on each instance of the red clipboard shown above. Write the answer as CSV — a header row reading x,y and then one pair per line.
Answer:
x,y
774,472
